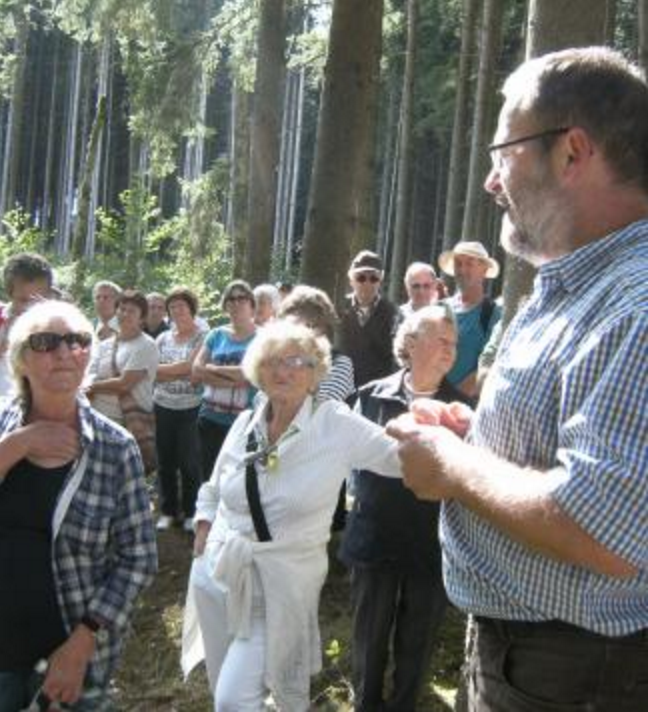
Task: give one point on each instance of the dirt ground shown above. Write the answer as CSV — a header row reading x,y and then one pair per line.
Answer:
x,y
149,678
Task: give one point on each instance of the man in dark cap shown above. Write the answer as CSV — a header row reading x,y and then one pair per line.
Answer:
x,y
367,323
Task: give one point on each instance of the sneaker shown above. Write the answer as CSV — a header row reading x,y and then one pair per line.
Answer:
x,y
188,526
164,523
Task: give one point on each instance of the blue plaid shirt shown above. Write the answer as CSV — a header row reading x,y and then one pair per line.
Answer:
x,y
569,389
104,547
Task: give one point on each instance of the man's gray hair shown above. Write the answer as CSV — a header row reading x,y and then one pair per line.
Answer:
x,y
593,88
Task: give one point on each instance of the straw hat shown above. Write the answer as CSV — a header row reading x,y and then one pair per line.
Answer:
x,y
470,249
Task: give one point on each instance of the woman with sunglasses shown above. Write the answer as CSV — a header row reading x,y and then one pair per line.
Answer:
x,y
77,543
265,515
217,366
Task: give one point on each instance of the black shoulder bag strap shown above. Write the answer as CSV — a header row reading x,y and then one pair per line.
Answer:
x,y
252,492
487,309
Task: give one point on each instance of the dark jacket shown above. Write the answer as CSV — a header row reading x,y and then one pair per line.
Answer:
x,y
368,346
388,525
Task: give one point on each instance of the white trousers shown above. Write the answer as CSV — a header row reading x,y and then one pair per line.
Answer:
x,y
235,671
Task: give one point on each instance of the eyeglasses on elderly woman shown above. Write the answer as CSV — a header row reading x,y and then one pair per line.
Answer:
x,y
48,341
292,363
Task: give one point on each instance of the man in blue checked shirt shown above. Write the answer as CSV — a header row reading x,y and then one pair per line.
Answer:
x,y
545,516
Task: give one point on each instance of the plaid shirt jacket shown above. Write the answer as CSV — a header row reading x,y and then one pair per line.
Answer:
x,y
103,540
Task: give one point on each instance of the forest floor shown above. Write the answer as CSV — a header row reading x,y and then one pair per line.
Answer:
x,y
149,678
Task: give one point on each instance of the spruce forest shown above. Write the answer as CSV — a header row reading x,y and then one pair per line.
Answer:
x,y
157,142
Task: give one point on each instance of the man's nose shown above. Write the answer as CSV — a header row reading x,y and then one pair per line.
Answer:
x,y
492,183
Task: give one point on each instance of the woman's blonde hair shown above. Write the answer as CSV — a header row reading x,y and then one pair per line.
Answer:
x,y
275,337
37,318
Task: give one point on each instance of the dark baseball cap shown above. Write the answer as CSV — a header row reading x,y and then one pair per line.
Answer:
x,y
366,261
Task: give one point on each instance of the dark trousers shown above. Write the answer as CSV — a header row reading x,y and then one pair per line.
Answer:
x,y
176,440
404,609
212,436
554,667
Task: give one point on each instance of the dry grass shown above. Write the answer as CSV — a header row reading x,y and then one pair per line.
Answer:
x,y
149,678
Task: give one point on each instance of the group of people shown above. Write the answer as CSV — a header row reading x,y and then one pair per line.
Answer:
x,y
528,512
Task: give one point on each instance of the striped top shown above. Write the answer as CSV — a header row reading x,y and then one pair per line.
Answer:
x,y
570,389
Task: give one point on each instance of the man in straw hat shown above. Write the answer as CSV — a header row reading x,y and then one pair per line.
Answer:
x,y
543,525
476,313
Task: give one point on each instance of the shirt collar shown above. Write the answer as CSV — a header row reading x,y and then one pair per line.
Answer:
x,y
585,265
258,421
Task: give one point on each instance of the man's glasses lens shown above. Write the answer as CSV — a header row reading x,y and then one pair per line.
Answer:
x,y
362,278
47,341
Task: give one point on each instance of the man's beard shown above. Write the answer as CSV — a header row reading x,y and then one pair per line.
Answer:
x,y
533,233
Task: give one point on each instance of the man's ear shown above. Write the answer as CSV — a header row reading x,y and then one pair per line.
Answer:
x,y
576,151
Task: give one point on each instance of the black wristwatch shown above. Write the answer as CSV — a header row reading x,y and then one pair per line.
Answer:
x,y
92,624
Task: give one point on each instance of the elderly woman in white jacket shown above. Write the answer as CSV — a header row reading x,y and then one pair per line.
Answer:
x,y
252,604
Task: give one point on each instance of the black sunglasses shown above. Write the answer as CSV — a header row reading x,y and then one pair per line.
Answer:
x,y
48,341
238,298
362,278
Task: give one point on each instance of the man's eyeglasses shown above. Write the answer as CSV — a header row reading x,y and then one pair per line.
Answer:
x,y
48,341
292,363
362,278
494,147
416,285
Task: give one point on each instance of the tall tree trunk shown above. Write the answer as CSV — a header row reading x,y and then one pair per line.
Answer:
x,y
388,170
292,197
344,152
48,198
103,76
491,35
402,223
67,195
87,171
265,139
643,35
553,25
239,151
14,125
459,146
610,21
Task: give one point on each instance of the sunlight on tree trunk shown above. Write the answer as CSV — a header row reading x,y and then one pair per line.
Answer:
x,y
337,218
265,139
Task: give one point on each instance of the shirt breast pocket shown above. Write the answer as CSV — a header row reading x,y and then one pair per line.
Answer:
x,y
87,527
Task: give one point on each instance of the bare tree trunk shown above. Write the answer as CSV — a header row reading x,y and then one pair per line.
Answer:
x,y
344,153
390,139
459,146
103,74
265,139
48,199
491,35
610,21
85,182
553,25
11,160
67,195
239,151
643,35
402,222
